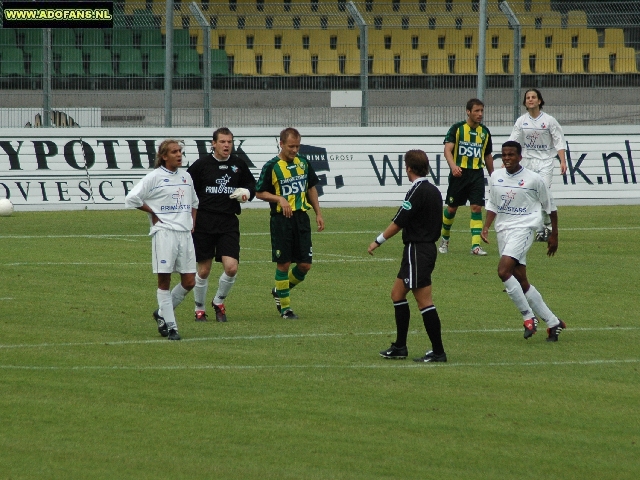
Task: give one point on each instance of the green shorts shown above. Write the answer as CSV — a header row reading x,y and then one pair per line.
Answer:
x,y
291,238
468,187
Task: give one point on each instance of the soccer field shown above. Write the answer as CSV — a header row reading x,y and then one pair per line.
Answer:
x,y
90,390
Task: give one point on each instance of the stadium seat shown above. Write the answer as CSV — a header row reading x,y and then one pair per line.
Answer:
x,y
187,63
625,60
244,62
100,63
437,62
234,41
150,39
34,56
181,39
614,38
351,60
577,19
264,40
131,6
383,62
550,19
156,62
219,62
31,37
299,62
121,38
130,63
599,61
410,62
71,62
466,62
63,38
12,62
144,19
328,62
8,37
272,62
91,38
574,61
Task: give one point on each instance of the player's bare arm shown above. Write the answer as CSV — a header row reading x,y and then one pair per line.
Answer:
x,y
563,162
389,232
147,209
272,198
312,196
448,155
488,221
488,161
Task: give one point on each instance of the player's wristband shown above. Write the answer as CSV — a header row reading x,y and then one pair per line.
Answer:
x,y
380,240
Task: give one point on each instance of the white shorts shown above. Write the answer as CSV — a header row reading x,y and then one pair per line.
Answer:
x,y
516,242
544,168
172,251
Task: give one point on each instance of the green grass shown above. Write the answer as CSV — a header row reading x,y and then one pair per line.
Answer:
x,y
88,389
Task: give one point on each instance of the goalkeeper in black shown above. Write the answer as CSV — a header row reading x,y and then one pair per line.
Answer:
x,y
222,182
419,217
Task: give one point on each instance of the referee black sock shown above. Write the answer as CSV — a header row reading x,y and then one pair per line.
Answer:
x,y
432,326
402,322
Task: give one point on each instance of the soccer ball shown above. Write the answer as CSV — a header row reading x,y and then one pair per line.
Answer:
x,y
6,207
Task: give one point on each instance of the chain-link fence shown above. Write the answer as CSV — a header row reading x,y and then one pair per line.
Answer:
x,y
276,63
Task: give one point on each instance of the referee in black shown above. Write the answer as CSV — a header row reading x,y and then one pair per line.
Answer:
x,y
419,218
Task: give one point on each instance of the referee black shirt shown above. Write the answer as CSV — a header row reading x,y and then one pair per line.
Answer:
x,y
420,215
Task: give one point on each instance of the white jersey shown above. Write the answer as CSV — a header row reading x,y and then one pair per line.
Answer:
x,y
517,199
170,195
540,137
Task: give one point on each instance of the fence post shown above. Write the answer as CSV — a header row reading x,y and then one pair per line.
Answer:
x,y
364,63
46,77
482,46
517,77
206,62
168,66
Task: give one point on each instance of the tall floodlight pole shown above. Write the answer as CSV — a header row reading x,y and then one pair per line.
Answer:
x,y
482,46
364,63
517,76
206,61
168,65
46,77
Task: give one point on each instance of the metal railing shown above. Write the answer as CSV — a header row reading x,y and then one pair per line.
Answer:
x,y
276,62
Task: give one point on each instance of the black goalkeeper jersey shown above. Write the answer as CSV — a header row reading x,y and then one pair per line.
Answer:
x,y
420,215
214,181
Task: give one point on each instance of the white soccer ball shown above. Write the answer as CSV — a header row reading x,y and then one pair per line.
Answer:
x,y
6,207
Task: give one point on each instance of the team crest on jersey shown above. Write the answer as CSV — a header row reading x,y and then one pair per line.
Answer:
x,y
406,205
521,183
544,126
184,180
234,169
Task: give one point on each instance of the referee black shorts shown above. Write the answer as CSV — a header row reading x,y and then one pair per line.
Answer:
x,y
418,262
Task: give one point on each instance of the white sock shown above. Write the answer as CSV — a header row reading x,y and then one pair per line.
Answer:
x,y
177,295
166,308
224,286
200,293
514,290
537,304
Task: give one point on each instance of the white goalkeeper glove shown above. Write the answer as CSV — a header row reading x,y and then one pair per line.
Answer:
x,y
241,194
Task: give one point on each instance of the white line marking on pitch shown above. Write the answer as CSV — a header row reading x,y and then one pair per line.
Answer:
x,y
288,336
382,364
355,232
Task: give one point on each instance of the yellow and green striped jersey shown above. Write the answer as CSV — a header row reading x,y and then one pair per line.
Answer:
x,y
291,180
470,144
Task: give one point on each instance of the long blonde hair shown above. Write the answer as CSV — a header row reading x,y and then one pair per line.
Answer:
x,y
163,149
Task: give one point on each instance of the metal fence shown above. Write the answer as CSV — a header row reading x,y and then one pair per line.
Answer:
x,y
276,63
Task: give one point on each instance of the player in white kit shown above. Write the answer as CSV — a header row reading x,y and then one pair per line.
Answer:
x,y
168,197
542,139
517,197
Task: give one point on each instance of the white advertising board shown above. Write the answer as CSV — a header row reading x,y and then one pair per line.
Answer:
x,y
94,168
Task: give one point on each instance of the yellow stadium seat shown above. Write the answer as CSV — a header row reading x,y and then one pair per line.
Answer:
x,y
465,62
438,62
599,60
383,62
351,61
272,62
265,40
551,19
573,61
626,60
234,40
614,38
328,63
577,18
410,62
299,62
244,62
347,40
